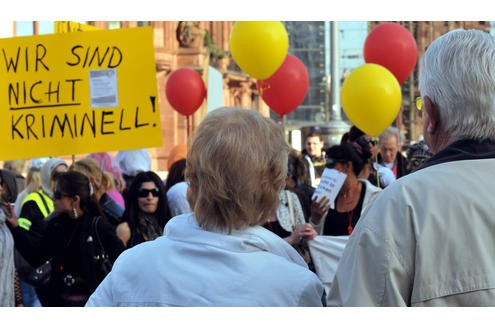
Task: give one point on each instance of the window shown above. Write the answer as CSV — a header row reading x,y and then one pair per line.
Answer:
x,y
45,27
113,25
24,28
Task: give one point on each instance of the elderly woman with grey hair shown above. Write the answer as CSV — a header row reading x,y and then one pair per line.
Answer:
x,y
219,255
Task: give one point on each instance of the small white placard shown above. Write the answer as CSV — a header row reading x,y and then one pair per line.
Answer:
x,y
103,88
330,183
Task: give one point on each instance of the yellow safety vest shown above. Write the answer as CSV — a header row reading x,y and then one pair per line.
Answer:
x,y
25,223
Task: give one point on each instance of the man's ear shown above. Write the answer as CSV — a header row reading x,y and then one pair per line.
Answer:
x,y
433,115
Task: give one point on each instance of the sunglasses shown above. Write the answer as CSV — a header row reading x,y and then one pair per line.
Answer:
x,y
370,141
145,192
419,103
59,195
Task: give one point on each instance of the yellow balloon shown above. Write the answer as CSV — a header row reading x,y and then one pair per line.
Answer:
x,y
259,48
371,98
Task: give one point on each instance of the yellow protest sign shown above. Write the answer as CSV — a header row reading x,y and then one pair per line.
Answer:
x,y
76,93
68,26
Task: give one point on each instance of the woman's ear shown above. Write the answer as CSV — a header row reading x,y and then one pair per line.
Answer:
x,y
349,167
76,200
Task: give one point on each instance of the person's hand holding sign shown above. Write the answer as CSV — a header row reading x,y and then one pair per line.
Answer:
x,y
325,194
319,209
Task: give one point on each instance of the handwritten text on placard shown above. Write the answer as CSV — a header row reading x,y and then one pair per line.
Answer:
x,y
78,92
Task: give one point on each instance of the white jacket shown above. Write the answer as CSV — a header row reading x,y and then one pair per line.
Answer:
x,y
427,240
177,199
193,267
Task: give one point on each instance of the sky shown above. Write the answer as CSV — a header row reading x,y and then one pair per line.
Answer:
x,y
349,10
351,14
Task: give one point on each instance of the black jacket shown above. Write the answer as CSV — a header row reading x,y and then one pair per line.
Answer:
x,y
70,244
111,209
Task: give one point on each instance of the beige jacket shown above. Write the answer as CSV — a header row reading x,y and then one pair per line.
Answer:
x,y
427,240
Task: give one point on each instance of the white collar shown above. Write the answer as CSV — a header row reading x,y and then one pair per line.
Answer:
x,y
185,228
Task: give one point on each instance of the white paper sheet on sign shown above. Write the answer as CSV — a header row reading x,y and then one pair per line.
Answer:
x,y
326,252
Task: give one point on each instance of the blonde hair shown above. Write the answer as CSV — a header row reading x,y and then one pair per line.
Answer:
x,y
236,167
33,181
103,181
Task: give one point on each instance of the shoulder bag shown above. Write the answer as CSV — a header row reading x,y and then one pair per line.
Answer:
x,y
41,275
302,246
101,260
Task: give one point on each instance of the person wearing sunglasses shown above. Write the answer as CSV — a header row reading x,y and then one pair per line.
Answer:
x,y
70,241
102,183
146,208
220,255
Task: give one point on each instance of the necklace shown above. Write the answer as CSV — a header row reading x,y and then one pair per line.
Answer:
x,y
350,214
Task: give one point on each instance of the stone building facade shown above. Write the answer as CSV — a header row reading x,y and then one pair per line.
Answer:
x,y
199,44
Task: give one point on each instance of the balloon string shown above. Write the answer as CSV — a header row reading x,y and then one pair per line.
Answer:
x,y
377,170
187,127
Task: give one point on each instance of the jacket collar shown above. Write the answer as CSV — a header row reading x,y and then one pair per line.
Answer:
x,y
466,149
185,228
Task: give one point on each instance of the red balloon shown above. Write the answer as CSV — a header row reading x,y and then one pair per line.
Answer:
x,y
392,46
287,87
185,91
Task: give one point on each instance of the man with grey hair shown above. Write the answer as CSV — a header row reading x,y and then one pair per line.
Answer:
x,y
427,240
389,143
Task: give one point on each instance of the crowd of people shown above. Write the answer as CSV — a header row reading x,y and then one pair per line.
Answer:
x,y
241,228
69,218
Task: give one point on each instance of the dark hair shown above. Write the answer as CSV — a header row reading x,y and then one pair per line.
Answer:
x,y
176,173
131,201
7,179
417,154
355,133
297,168
344,138
315,133
75,183
358,152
